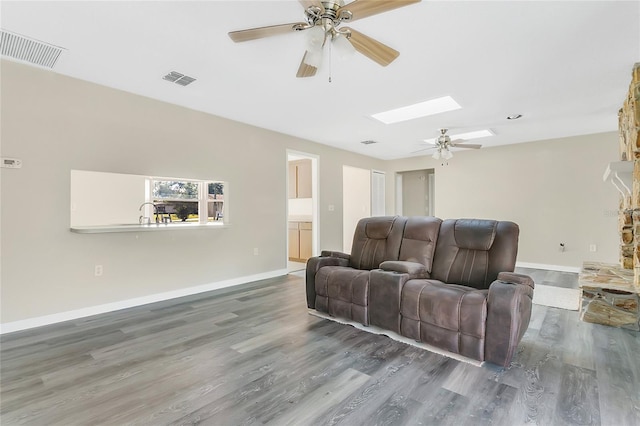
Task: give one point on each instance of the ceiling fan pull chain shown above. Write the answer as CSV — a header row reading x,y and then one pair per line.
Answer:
x,y
330,63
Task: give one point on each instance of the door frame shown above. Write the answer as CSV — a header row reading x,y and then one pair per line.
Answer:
x,y
430,189
315,205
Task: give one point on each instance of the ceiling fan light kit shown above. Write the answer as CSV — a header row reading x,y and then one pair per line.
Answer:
x,y
315,38
443,144
323,19
344,48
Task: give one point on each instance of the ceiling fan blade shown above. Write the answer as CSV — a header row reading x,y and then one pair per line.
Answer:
x,y
467,145
306,70
363,8
423,149
426,146
372,49
260,32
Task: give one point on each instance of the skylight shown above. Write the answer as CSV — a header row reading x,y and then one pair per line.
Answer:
x,y
422,109
466,136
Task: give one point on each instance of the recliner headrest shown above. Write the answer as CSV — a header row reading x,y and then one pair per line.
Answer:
x,y
379,229
475,234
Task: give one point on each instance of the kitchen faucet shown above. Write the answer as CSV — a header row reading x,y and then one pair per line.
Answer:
x,y
155,211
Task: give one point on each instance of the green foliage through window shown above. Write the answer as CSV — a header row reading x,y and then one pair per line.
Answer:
x,y
175,190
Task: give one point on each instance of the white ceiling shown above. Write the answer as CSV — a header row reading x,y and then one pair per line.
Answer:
x,y
564,65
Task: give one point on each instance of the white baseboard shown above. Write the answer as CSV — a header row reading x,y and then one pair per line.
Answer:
x,y
559,268
14,326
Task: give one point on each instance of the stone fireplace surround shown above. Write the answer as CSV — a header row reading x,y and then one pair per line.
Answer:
x,y
610,293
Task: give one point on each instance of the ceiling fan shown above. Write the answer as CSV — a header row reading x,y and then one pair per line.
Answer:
x,y
443,145
323,19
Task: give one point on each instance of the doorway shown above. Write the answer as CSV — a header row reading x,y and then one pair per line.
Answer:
x,y
415,193
302,209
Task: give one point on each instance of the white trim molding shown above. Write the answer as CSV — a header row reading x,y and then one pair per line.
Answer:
x,y
560,268
14,326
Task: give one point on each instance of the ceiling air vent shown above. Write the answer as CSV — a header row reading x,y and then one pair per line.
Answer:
x,y
29,50
369,142
177,78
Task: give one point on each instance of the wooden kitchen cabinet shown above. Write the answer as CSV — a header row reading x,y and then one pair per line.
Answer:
x,y
294,241
300,179
300,238
305,240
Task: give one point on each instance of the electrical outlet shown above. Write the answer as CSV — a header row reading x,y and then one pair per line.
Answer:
x,y
98,270
256,251
593,248
11,163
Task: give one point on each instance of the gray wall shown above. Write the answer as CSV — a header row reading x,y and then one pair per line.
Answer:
x,y
553,189
56,123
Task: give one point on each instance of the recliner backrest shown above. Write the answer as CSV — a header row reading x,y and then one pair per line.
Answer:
x,y
472,252
375,240
419,240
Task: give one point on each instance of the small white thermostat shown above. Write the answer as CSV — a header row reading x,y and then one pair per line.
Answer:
x,y
11,163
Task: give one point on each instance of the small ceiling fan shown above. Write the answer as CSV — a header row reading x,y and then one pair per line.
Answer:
x,y
443,145
323,18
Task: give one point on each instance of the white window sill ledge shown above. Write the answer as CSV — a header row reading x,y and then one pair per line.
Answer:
x,y
154,227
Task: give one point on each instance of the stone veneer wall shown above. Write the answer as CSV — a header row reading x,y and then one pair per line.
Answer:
x,y
629,129
611,293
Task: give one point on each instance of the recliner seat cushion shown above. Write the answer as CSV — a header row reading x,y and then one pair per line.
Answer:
x,y
448,316
343,292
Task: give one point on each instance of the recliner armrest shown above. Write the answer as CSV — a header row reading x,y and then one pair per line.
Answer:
x,y
339,254
313,265
508,314
413,269
385,291
512,277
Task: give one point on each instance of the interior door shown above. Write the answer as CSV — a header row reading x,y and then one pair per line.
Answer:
x,y
377,193
356,201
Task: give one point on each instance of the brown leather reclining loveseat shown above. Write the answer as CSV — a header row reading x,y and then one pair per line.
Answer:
x,y
448,283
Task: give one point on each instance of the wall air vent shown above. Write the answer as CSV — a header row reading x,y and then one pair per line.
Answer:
x,y
177,78
29,50
369,142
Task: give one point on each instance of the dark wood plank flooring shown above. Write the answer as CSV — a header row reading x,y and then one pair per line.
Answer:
x,y
252,355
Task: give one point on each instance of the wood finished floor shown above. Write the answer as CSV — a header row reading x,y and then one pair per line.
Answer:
x,y
252,355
